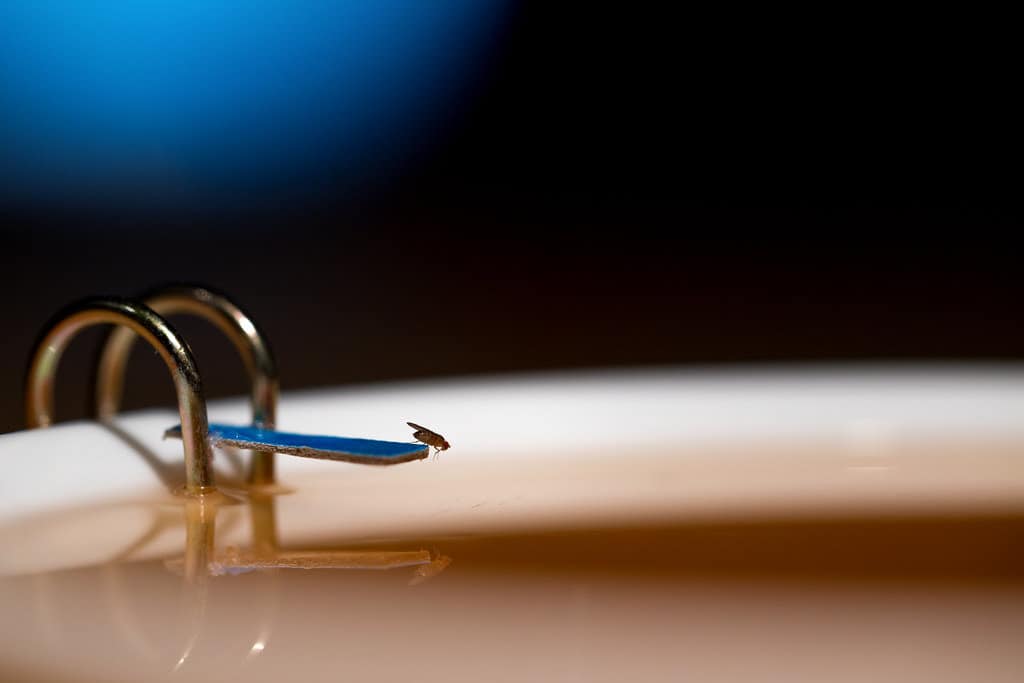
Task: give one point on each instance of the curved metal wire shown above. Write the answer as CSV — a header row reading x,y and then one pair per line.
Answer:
x,y
228,317
175,352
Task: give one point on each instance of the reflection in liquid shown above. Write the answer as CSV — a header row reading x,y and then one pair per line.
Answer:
x,y
428,571
234,561
200,525
201,561
119,541
804,600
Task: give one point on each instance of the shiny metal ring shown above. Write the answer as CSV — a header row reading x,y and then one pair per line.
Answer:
x,y
227,316
150,326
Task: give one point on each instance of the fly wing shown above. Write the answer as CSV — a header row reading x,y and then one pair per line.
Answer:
x,y
426,435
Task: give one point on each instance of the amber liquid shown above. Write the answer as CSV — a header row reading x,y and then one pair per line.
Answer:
x,y
919,598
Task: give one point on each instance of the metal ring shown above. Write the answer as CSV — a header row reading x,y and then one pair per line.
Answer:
x,y
217,308
154,329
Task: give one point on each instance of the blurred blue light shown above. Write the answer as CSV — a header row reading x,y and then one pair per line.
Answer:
x,y
171,97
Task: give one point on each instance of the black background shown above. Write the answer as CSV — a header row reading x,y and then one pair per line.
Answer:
x,y
626,188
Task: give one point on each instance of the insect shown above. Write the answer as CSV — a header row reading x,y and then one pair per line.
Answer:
x,y
429,437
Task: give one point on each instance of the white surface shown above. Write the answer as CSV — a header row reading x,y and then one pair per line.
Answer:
x,y
855,412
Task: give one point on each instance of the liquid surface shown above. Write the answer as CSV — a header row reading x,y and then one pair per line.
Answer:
x,y
898,598
840,528
798,563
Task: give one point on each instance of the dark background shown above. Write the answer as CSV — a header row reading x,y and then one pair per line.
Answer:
x,y
612,189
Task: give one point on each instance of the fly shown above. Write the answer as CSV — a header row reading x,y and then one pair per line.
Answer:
x,y
429,437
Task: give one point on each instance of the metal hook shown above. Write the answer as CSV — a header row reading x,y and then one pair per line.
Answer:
x,y
232,321
150,326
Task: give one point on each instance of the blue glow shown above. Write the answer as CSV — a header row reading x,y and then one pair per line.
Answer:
x,y
174,96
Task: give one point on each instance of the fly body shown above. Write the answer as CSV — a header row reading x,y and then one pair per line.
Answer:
x,y
429,437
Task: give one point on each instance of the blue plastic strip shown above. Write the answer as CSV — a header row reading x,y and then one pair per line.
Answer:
x,y
364,451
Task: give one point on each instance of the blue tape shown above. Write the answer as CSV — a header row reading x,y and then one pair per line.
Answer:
x,y
363,451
